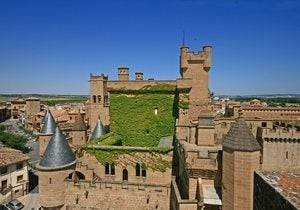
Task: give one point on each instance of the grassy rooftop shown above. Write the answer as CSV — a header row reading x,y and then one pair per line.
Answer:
x,y
134,123
133,118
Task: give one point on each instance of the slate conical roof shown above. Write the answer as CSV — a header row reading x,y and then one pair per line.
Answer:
x,y
240,138
79,125
49,124
58,153
98,130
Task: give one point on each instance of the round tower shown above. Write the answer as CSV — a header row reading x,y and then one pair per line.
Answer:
x,y
241,157
47,132
57,163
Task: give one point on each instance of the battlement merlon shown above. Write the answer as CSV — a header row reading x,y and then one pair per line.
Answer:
x,y
188,57
98,77
278,133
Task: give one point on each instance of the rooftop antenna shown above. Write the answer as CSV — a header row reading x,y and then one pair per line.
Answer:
x,y
183,38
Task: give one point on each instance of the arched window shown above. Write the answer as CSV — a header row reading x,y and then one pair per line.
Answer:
x,y
94,99
144,170
138,169
106,168
125,175
112,169
99,98
50,181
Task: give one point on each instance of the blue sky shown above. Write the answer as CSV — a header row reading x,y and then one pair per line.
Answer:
x,y
51,46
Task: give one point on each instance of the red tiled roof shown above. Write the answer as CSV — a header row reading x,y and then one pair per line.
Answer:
x,y
9,156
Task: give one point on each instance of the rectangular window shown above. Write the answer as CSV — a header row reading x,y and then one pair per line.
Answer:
x,y
4,184
264,124
19,166
20,178
3,170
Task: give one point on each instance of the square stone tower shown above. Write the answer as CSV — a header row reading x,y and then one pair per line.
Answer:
x,y
194,68
99,101
123,74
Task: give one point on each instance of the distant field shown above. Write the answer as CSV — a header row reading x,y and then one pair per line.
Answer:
x,y
46,99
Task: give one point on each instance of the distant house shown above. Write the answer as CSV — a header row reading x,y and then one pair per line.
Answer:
x,y
13,174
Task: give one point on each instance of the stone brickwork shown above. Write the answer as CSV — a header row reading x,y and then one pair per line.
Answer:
x,y
280,148
104,195
33,106
237,183
111,191
52,187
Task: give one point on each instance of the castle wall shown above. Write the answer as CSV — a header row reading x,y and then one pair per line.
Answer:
x,y
136,84
111,191
116,195
290,113
281,148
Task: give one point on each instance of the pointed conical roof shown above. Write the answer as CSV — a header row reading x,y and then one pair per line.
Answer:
x,y
49,124
79,125
240,138
58,153
98,130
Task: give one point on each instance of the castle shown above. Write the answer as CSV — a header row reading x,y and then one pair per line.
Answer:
x,y
159,144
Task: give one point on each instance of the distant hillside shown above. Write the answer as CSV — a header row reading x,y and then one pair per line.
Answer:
x,y
47,99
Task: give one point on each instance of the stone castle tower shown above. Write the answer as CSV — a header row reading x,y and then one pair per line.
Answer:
x,y
99,101
241,157
47,132
78,132
194,68
123,74
33,106
56,165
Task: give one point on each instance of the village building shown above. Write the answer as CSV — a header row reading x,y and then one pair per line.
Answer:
x,y
13,174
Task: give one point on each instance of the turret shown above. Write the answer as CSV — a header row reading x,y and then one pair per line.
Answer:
x,y
47,131
139,75
57,163
98,131
123,73
241,157
78,132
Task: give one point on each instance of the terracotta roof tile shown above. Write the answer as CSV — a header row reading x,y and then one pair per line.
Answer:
x,y
9,156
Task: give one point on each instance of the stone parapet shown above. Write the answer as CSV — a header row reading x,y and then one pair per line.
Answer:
x,y
278,133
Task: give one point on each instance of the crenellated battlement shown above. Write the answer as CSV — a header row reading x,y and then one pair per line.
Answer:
x,y
188,57
278,133
98,77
